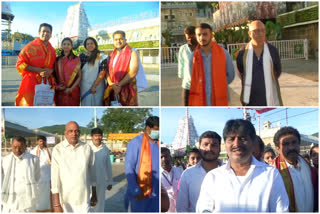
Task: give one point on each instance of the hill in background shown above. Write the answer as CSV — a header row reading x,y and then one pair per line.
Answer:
x,y
59,129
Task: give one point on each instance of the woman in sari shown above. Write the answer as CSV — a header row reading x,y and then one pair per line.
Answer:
x,y
68,76
94,66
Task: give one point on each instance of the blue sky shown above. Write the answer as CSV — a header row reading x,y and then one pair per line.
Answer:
x,y
215,118
39,117
29,15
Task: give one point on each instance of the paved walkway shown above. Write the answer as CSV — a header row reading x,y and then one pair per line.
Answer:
x,y
11,82
115,198
298,83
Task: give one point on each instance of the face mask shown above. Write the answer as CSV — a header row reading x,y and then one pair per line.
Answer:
x,y
154,135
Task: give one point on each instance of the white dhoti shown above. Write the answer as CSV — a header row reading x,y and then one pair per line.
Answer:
x,y
44,204
9,209
44,199
101,196
103,171
70,208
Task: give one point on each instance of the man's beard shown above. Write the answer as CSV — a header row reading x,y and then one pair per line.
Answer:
x,y
119,49
203,154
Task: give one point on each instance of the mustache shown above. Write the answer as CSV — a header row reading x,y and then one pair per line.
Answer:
x,y
292,151
209,152
242,148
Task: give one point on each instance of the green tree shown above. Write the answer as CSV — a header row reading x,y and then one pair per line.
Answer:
x,y
167,35
215,5
273,29
129,120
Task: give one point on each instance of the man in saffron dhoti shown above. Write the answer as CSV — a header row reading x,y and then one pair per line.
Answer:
x,y
102,167
142,169
44,154
212,71
260,67
20,173
35,63
72,173
123,68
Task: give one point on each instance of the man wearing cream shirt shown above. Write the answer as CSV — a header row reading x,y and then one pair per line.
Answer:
x,y
72,173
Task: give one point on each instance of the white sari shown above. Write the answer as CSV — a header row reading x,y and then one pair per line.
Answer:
x,y
89,75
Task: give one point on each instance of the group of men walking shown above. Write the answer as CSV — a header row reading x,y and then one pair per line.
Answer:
x,y
74,176
243,183
207,68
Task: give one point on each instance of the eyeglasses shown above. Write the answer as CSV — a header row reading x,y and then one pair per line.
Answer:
x,y
258,31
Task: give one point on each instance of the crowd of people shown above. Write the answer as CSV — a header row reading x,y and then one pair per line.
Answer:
x,y
91,79
206,69
252,179
74,176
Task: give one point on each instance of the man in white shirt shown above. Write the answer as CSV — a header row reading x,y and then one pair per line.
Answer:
x,y
102,167
170,177
72,173
243,184
43,152
192,178
299,178
20,173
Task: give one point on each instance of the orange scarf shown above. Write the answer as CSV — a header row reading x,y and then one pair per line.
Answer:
x,y
281,165
128,93
37,153
145,167
219,92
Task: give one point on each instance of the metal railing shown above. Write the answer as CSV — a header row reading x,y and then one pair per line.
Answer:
x,y
288,49
147,56
169,56
9,60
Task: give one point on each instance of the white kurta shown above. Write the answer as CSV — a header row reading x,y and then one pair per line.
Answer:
x,y
45,178
72,175
260,190
20,176
170,181
302,185
103,171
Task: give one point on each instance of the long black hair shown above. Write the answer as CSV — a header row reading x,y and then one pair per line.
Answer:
x,y
95,53
71,54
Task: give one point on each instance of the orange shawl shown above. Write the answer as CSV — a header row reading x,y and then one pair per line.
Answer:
x,y
144,179
33,54
128,93
219,92
281,165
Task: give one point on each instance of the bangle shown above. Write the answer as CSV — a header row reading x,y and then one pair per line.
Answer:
x,y
57,205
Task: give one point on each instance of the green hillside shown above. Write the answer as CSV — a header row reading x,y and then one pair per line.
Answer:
x,y
59,129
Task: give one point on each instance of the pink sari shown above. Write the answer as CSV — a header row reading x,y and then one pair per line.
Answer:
x,y
66,74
